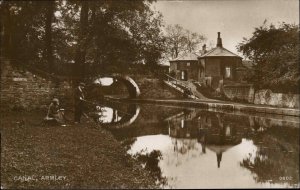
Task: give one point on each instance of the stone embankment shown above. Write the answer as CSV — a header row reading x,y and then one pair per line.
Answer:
x,y
224,106
247,93
23,90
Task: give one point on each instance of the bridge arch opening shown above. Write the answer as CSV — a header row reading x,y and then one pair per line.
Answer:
x,y
120,86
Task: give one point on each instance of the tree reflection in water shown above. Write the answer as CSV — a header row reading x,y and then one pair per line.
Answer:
x,y
277,157
150,162
128,142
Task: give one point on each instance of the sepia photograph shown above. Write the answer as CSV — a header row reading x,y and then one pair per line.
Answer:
x,y
149,94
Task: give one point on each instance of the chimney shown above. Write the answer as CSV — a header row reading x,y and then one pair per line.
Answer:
x,y
204,48
219,40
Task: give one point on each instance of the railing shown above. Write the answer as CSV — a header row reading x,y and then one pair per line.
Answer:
x,y
177,82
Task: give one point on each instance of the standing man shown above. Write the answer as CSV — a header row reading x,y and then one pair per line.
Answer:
x,y
79,98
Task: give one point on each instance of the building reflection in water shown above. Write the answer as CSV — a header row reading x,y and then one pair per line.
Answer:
x,y
210,130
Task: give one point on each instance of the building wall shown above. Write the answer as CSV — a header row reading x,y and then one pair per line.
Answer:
x,y
173,67
163,69
212,67
215,70
231,62
191,67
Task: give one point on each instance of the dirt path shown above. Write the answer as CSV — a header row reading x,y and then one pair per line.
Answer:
x,y
81,157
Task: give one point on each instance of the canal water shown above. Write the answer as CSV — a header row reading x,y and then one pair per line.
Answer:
x,y
195,148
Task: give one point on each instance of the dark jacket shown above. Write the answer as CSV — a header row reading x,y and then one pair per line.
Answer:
x,y
79,95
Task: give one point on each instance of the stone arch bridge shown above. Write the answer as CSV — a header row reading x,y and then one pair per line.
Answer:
x,y
131,85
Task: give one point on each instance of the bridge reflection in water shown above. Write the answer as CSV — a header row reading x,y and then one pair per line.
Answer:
x,y
188,148
111,115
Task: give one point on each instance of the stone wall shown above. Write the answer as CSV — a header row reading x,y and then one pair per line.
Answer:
x,y
241,92
245,93
267,97
21,89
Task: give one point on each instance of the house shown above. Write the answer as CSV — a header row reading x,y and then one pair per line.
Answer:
x,y
213,68
185,67
163,69
218,66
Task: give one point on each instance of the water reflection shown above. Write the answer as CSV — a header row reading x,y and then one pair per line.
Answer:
x,y
210,130
150,162
113,117
201,149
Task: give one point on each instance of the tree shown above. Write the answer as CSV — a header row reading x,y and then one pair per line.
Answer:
x,y
90,36
119,33
127,32
21,20
193,40
50,8
179,40
175,40
82,40
28,30
146,34
6,29
275,52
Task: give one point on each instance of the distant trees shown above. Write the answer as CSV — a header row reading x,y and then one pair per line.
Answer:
x,y
95,36
180,40
275,52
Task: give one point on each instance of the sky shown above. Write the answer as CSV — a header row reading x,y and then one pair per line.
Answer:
x,y
235,19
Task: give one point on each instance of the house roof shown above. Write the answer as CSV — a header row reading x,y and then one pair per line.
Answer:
x,y
163,65
219,52
187,57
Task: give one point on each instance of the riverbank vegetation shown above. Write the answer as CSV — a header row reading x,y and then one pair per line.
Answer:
x,y
85,155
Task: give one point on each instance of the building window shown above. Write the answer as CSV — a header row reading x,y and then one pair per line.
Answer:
x,y
188,64
182,123
227,72
228,131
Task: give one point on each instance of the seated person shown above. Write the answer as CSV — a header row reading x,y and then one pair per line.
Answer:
x,y
55,113
187,93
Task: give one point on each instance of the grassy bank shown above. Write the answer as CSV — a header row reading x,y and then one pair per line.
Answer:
x,y
83,156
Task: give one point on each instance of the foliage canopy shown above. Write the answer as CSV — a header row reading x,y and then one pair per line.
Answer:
x,y
275,52
96,36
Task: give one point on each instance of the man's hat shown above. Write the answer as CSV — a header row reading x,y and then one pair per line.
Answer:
x,y
81,84
55,100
